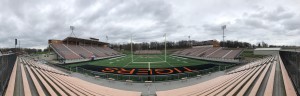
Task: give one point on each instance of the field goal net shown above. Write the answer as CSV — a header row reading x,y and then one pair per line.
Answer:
x,y
148,51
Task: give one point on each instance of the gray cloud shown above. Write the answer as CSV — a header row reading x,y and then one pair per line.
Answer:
x,y
271,26
36,21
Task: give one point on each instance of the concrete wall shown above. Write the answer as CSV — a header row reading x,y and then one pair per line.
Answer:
x,y
265,52
50,56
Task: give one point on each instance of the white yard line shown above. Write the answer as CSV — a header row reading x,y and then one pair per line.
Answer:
x,y
166,61
130,62
116,58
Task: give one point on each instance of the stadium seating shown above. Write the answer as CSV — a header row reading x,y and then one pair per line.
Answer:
x,y
70,52
30,78
220,53
256,78
80,51
232,54
95,51
211,53
147,52
199,51
107,53
111,51
65,52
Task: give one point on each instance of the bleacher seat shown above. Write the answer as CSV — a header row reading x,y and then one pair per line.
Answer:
x,y
38,79
72,52
243,81
209,52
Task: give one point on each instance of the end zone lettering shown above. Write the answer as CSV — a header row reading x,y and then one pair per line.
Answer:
x,y
144,71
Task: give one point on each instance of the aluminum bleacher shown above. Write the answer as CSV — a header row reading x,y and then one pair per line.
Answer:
x,y
252,79
106,52
147,52
80,51
73,52
65,52
111,51
96,52
30,78
210,53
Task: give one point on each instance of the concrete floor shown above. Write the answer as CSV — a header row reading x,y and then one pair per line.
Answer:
x,y
147,90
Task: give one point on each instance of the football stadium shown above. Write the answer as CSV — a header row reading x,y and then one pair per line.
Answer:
x,y
89,67
147,63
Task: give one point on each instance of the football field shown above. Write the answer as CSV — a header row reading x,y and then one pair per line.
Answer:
x,y
144,61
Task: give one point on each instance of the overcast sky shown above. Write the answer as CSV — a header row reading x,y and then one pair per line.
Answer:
x,y
34,22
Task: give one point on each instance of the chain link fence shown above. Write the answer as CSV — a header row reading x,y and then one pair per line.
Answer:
x,y
7,62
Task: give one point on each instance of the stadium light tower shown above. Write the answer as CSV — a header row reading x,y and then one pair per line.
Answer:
x,y
190,40
223,28
72,28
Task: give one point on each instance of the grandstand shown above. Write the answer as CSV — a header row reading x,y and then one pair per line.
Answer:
x,y
268,76
30,78
211,53
149,48
265,77
141,52
73,49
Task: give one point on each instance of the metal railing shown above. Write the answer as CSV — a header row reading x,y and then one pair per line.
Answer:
x,y
7,62
143,78
291,62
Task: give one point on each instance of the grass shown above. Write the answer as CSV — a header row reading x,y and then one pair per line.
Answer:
x,y
125,62
41,52
249,54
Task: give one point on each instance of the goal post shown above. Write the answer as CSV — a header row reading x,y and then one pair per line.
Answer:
x,y
140,50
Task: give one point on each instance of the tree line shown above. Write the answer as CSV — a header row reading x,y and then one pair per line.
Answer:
x,y
181,45
160,46
22,50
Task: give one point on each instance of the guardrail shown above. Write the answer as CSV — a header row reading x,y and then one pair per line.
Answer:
x,y
291,62
7,62
143,78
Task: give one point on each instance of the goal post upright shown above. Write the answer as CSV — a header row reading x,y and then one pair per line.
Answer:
x,y
165,47
162,59
149,66
131,50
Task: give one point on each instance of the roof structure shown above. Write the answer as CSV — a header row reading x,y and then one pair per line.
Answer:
x,y
92,40
268,49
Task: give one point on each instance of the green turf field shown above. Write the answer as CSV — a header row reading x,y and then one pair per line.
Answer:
x,y
156,62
